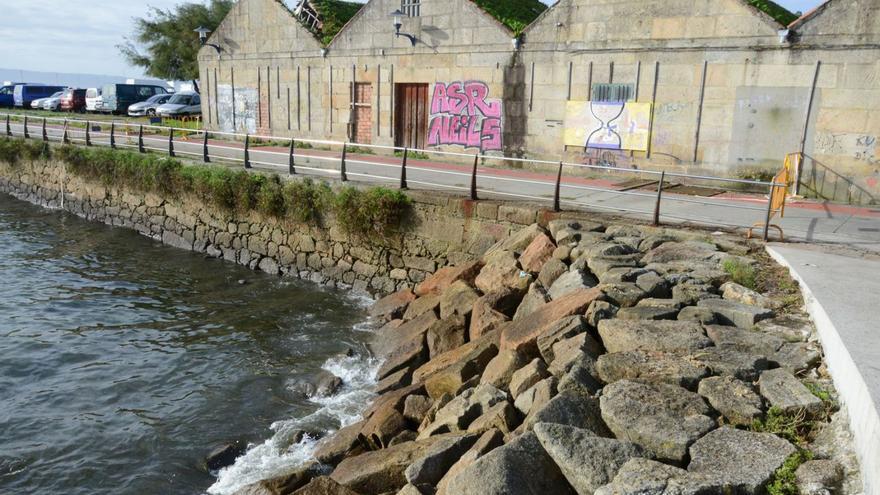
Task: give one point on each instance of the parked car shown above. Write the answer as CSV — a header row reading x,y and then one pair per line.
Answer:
x,y
53,102
93,99
73,100
186,103
25,94
116,98
148,107
39,103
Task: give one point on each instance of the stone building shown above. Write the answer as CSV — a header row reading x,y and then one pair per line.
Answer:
x,y
708,85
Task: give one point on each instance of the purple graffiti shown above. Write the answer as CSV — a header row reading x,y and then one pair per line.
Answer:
x,y
461,114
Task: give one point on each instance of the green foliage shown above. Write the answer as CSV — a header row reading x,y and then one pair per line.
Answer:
x,y
270,197
779,13
13,151
784,481
414,155
818,391
515,14
334,14
369,212
171,46
359,150
741,272
305,199
755,173
794,427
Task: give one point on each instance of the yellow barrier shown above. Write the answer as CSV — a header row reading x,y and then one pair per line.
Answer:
x,y
778,194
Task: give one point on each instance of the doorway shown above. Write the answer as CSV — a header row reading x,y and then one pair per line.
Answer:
x,y
411,115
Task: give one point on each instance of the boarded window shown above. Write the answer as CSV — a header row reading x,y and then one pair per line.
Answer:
x,y
612,93
410,7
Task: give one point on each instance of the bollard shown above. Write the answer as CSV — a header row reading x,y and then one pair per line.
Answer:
x,y
342,175
141,139
88,135
27,134
113,135
474,178
556,203
247,153
8,127
769,213
45,135
65,139
657,203
291,161
205,157
171,142
403,169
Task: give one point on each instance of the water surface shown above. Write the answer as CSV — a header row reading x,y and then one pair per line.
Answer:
x,y
122,361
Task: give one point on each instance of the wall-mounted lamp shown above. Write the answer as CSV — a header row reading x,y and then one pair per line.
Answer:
x,y
516,43
324,52
784,35
203,38
397,17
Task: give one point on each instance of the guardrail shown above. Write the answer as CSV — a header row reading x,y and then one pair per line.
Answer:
x,y
404,167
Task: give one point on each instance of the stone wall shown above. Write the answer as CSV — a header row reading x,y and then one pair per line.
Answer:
x,y
441,230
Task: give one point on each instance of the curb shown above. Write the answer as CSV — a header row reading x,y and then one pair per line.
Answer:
x,y
864,420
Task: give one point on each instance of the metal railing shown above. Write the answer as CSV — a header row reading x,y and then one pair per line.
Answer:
x,y
405,167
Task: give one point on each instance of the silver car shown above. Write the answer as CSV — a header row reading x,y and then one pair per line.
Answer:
x,y
149,106
39,102
180,104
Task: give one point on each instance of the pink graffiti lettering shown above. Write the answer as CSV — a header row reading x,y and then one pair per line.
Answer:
x,y
461,114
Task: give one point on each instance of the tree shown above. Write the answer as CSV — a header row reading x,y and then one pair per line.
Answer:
x,y
170,46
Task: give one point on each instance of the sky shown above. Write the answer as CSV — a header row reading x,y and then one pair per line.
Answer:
x,y
80,36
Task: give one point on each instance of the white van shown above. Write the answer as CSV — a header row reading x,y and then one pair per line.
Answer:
x,y
93,99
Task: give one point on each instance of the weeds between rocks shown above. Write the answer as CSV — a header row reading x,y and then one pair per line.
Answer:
x,y
741,273
784,481
374,211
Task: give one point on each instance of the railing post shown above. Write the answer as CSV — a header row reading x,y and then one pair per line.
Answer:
x,y
205,157
403,184
247,152
342,175
8,127
88,133
65,139
769,212
474,178
45,134
556,202
113,135
27,134
291,161
141,139
171,142
659,196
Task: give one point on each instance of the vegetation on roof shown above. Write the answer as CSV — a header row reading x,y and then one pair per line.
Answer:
x,y
515,14
334,14
781,14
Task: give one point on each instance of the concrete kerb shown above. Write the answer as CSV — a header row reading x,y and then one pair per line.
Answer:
x,y
863,415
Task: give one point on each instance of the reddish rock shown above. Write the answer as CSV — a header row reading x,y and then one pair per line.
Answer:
x,y
391,337
381,471
446,335
324,486
421,306
522,334
333,448
382,426
502,271
393,305
485,319
444,277
539,251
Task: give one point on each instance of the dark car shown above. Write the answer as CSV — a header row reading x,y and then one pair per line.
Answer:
x,y
73,100
24,94
6,96
116,98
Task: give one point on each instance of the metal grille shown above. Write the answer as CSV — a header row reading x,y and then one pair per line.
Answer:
x,y
410,7
612,93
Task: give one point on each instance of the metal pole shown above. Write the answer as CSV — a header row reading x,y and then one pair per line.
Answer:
x,y
700,110
342,174
88,133
474,178
767,216
205,157
403,184
247,153
659,196
8,127
556,203
45,135
26,133
797,182
291,160
171,141
65,139
653,110
113,135
141,139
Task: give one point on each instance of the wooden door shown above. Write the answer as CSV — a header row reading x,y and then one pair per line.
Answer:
x,y
363,113
411,115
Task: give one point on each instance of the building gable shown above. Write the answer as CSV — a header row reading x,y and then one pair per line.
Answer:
x,y
855,18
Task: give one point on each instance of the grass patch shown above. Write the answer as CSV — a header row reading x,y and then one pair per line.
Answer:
x,y
374,211
756,174
415,155
783,481
741,272
360,150
796,428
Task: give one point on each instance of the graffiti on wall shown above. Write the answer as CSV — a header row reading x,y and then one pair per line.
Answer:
x,y
615,126
237,114
859,146
463,115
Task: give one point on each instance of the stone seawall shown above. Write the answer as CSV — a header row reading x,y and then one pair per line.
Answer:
x,y
441,230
